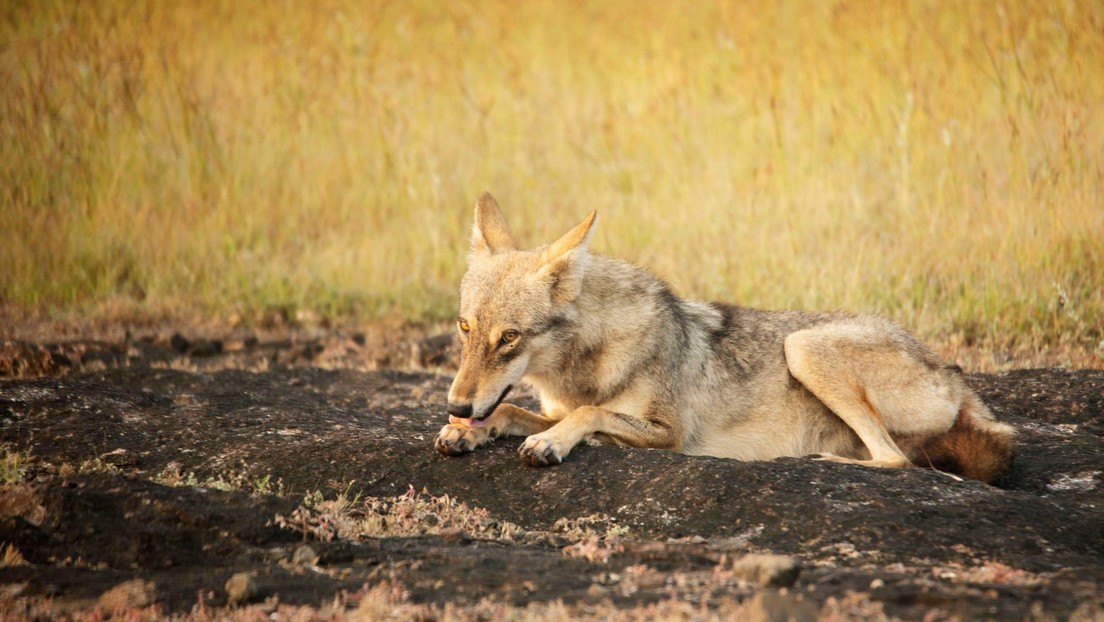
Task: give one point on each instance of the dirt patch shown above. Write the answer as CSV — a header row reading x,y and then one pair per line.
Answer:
x,y
183,467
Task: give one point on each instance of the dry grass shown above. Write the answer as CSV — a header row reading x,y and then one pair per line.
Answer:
x,y
938,162
11,557
420,513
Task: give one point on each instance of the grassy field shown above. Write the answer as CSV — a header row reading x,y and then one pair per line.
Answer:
x,y
941,162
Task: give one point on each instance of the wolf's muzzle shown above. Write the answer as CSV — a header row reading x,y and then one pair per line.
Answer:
x,y
459,410
464,411
497,402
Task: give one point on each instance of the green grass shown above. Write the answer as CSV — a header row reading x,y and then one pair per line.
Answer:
x,y
939,162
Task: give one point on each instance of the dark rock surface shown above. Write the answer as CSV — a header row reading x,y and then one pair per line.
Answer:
x,y
911,540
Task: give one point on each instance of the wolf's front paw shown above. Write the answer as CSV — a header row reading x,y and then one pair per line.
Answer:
x,y
541,450
454,440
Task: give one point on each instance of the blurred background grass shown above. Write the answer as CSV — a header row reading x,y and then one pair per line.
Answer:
x,y
940,162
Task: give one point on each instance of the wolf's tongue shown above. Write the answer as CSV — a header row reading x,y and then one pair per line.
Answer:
x,y
471,423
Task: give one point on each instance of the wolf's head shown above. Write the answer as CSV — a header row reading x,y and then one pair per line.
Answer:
x,y
511,304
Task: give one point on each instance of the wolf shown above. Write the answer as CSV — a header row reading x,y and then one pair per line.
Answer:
x,y
617,358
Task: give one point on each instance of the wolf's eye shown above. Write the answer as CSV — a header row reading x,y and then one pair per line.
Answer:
x,y
509,337
464,327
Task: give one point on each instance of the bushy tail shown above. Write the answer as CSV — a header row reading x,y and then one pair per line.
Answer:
x,y
976,446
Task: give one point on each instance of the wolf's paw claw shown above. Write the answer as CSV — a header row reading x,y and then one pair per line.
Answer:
x,y
536,451
454,440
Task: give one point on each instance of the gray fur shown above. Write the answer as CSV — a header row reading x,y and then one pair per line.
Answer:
x,y
617,357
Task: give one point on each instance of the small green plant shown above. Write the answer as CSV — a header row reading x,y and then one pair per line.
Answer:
x,y
97,465
173,476
233,480
13,465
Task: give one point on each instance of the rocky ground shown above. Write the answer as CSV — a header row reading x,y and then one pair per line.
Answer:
x,y
245,476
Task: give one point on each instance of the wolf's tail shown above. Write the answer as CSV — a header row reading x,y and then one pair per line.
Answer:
x,y
977,446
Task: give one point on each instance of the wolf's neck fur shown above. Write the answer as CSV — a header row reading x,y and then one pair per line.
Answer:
x,y
620,324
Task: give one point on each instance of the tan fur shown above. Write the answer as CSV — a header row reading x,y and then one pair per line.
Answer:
x,y
617,358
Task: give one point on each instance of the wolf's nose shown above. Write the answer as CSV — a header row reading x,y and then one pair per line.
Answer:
x,y
463,411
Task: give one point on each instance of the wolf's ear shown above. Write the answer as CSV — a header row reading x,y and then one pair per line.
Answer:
x,y
565,261
490,233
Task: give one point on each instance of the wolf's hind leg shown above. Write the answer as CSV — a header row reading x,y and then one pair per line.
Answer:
x,y
506,420
868,377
